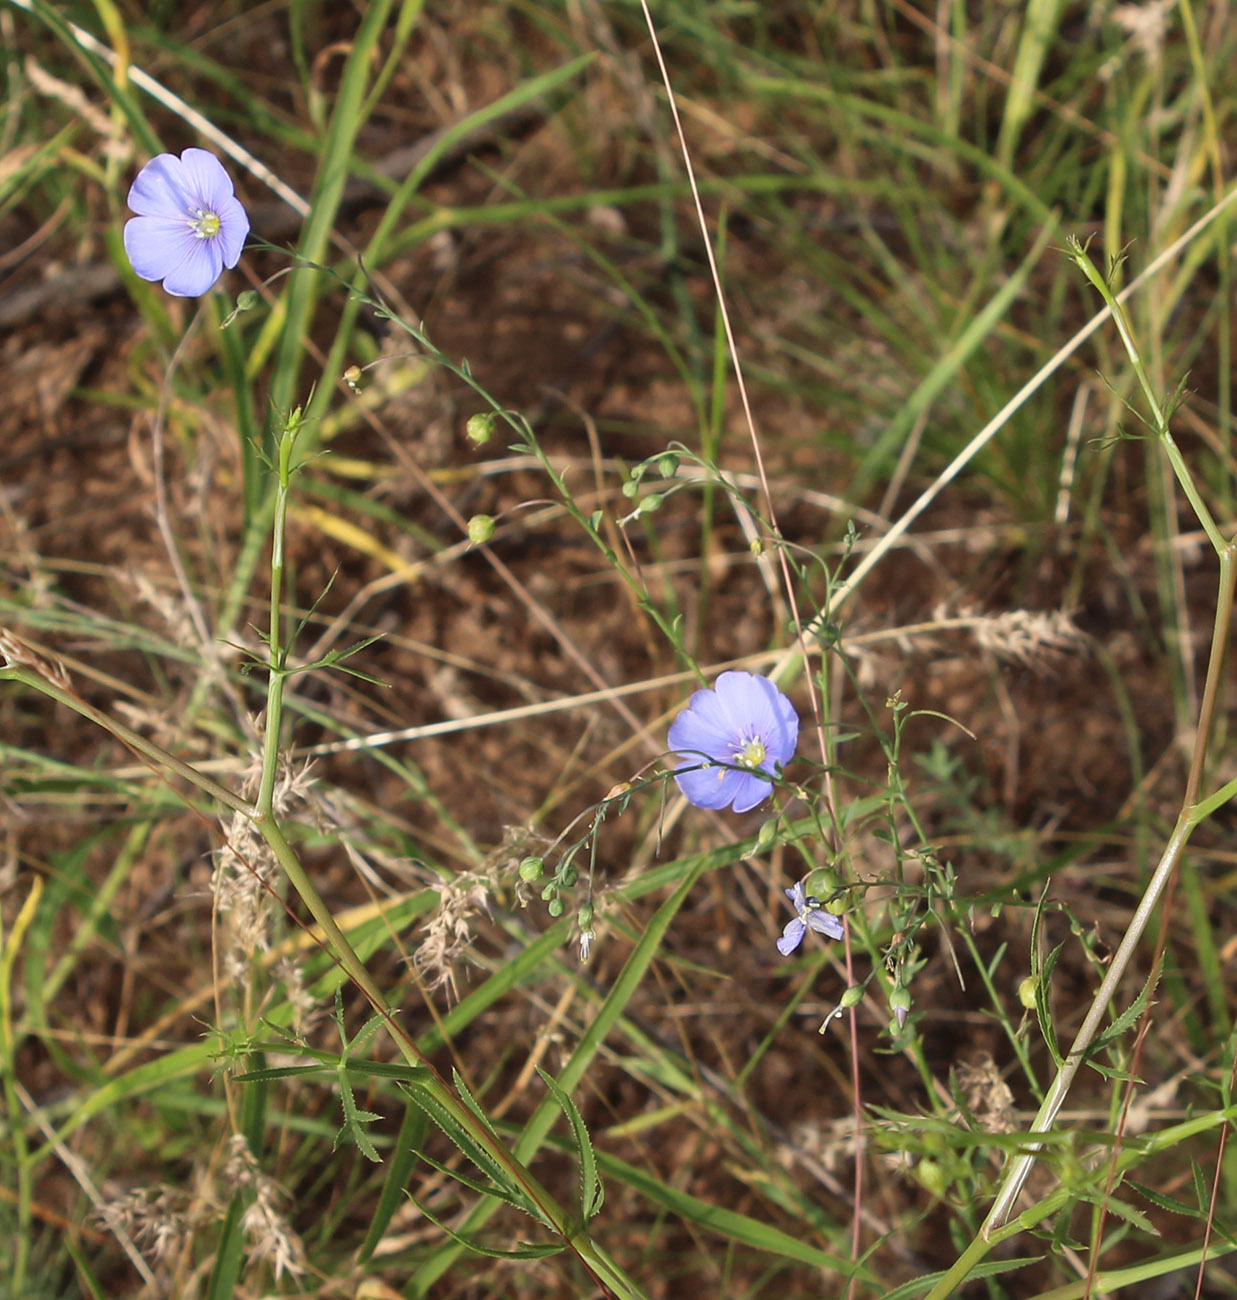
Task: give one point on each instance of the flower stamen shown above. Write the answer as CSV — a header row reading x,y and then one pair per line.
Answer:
x,y
753,753
205,225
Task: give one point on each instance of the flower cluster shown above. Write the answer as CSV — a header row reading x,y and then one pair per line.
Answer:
x,y
189,223
732,742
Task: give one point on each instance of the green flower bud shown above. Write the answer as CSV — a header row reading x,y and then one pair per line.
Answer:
x,y
532,868
822,882
480,529
651,503
568,877
900,1005
352,377
630,488
766,835
852,996
586,916
932,1176
555,907
668,465
247,300
480,427
1026,992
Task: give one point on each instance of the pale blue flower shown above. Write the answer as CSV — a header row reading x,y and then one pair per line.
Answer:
x,y
189,223
809,915
732,741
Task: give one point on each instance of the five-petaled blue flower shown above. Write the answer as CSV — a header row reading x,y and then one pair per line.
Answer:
x,y
732,740
189,223
808,915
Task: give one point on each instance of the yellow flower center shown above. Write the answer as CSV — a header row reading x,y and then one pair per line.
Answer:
x,y
752,754
204,224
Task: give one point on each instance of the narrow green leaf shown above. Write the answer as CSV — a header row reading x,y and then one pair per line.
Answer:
x,y
525,1252
224,1275
592,1193
408,1144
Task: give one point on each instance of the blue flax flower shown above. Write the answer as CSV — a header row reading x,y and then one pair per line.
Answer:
x,y
189,223
732,740
809,915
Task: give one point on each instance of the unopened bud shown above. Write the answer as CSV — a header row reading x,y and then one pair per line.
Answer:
x,y
900,1004
352,377
480,427
668,465
766,835
555,907
480,529
586,916
1026,992
932,1176
852,996
651,503
532,868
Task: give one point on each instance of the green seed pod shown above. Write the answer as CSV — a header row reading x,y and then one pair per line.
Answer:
x,y
651,503
480,427
932,1176
480,529
766,836
586,916
532,868
568,877
852,996
1026,992
555,907
822,882
668,465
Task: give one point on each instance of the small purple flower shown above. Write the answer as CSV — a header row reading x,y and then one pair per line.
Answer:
x,y
189,223
732,740
808,915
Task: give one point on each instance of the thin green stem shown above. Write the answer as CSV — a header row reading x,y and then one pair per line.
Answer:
x,y
274,685
155,754
1159,416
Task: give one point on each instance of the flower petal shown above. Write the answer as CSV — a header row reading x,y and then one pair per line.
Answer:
x,y
233,231
825,923
710,787
206,179
160,190
704,725
695,731
761,709
798,899
792,937
201,266
750,791
156,246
